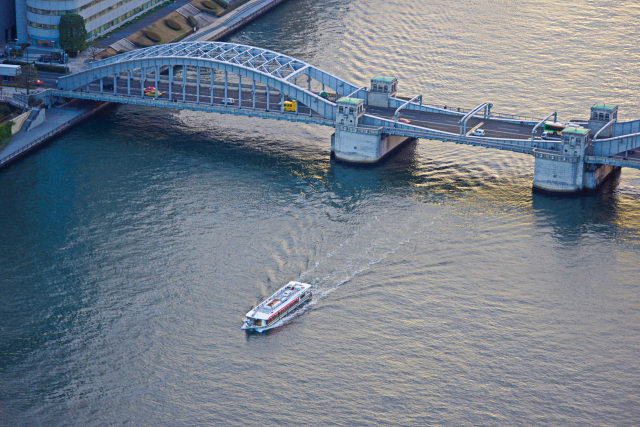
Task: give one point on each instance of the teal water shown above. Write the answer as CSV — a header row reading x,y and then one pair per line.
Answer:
x,y
445,291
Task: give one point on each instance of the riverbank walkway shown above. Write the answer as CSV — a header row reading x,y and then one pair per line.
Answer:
x,y
57,121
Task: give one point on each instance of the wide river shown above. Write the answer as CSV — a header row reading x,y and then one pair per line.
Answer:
x,y
446,292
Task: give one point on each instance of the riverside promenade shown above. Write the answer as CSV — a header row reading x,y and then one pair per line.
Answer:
x,y
57,120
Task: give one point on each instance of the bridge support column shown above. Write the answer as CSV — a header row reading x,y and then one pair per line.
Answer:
x,y
240,91
115,84
554,172
211,85
360,144
184,83
170,82
128,83
564,170
268,96
143,77
253,94
156,74
363,145
595,175
226,86
198,84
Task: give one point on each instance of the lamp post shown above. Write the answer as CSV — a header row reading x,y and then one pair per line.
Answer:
x,y
25,47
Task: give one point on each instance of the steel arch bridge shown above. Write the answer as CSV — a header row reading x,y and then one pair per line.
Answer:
x,y
272,71
188,75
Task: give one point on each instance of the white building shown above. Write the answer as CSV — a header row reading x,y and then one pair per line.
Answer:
x,y
37,20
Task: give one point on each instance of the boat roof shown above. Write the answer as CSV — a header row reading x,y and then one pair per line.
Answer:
x,y
279,300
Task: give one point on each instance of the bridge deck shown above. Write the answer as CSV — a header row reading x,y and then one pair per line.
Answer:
x,y
449,123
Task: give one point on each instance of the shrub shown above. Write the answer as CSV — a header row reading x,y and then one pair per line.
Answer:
x,y
171,23
192,21
153,36
5,130
220,3
209,5
4,111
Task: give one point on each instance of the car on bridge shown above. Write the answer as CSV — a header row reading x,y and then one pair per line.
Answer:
x,y
228,101
151,91
403,120
478,132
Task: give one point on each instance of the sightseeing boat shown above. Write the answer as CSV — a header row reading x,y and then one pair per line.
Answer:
x,y
265,315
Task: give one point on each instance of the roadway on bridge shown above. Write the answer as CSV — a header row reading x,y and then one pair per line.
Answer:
x,y
191,94
449,123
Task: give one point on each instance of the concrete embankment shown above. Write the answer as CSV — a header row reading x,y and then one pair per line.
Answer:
x,y
58,120
234,20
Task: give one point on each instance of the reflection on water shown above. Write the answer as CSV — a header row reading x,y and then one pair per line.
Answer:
x,y
445,290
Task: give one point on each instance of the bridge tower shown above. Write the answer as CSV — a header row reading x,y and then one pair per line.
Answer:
x,y
354,142
600,116
382,88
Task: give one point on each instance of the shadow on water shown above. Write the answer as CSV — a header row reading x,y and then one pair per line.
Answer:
x,y
574,216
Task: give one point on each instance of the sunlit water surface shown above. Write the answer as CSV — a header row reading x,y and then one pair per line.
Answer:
x,y
445,291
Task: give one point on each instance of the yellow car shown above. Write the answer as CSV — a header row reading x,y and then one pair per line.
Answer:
x,y
151,91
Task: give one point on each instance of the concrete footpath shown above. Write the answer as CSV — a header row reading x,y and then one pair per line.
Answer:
x,y
58,119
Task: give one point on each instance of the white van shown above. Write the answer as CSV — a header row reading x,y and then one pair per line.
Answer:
x,y
228,101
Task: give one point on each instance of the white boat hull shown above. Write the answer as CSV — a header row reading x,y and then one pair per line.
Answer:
x,y
249,327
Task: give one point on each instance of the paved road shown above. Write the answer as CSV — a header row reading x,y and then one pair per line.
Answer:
x,y
444,122
205,94
449,123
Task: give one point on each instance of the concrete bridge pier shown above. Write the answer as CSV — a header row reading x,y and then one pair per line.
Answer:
x,y
355,143
564,170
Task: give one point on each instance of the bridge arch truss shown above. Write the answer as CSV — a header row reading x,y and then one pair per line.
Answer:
x,y
272,70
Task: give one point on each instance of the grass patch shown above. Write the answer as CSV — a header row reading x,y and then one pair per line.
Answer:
x,y
171,23
209,7
5,134
164,33
152,35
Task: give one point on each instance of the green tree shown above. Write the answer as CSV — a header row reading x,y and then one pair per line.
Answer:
x,y
73,34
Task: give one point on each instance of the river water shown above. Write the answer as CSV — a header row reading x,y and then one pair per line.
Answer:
x,y
446,292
